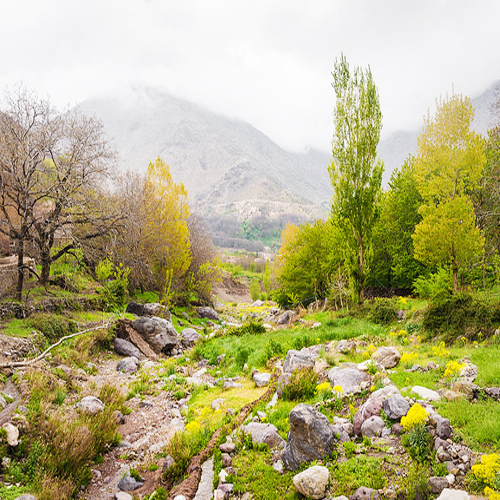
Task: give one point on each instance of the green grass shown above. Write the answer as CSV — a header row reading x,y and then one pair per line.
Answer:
x,y
17,328
255,474
358,471
476,423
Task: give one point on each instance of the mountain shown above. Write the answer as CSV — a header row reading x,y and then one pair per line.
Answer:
x,y
227,166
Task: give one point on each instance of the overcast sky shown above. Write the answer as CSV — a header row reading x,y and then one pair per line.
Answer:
x,y
267,62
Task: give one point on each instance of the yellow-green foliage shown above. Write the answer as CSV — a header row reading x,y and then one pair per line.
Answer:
x,y
453,369
440,350
487,472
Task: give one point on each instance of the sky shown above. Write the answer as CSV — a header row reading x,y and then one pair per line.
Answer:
x,y
267,62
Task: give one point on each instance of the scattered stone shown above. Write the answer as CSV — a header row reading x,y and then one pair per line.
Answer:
x,y
159,333
427,394
437,484
222,477
449,494
387,356
128,365
227,488
395,407
179,497
310,437
126,348
227,461
231,384
216,404
262,379
298,360
157,309
205,491
121,495
431,366
264,433
258,303
286,318
90,405
468,389
365,494
492,392
341,497
368,409
390,493
135,308
3,403
227,447
350,379
128,483
26,496
312,482
189,337
278,466
208,313
372,427
344,346
443,427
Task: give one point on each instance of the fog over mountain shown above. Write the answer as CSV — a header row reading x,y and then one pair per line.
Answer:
x,y
227,165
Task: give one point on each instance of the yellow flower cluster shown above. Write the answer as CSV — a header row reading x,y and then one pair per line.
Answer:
x,y
416,416
193,427
369,351
486,471
453,369
440,350
491,494
338,389
324,387
407,359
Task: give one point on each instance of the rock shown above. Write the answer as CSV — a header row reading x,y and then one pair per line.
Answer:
x,y
437,484
387,356
395,407
286,318
385,392
468,389
264,433
431,366
368,409
227,447
189,337
298,360
159,333
227,461
427,394
227,488
449,494
351,380
372,427
320,366
341,497
121,495
231,384
157,309
90,405
216,404
258,303
208,313
135,308
128,483
261,379
179,497
128,365
12,434
492,392
365,494
312,482
3,403
344,346
26,496
443,427
310,437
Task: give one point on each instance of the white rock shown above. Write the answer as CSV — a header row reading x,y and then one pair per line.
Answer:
x,y
222,477
121,495
312,482
427,394
449,494
12,434
91,405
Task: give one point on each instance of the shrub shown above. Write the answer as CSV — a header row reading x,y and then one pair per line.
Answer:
x,y
52,326
251,327
417,437
434,287
302,385
382,311
255,289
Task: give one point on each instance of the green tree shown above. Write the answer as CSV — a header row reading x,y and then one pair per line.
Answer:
x,y
355,172
312,256
394,263
449,165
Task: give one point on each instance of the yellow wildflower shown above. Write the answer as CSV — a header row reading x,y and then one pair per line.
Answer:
x,y
416,416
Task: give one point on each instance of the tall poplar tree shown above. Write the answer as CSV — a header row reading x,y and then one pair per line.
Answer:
x,y
355,171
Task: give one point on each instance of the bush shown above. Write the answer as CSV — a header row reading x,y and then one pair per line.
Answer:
x,y
382,311
302,385
252,327
461,315
52,326
255,289
435,286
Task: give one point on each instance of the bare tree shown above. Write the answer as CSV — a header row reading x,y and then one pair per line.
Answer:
x,y
50,164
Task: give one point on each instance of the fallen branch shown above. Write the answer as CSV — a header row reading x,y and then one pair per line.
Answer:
x,y
16,364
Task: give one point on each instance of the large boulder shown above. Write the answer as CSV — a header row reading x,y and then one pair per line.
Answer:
x,y
387,356
128,365
159,333
286,317
312,482
311,437
126,348
264,433
395,407
425,393
349,378
372,427
91,405
12,434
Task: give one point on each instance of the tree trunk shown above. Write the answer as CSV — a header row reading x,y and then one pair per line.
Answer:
x,y
45,273
20,268
361,295
454,268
